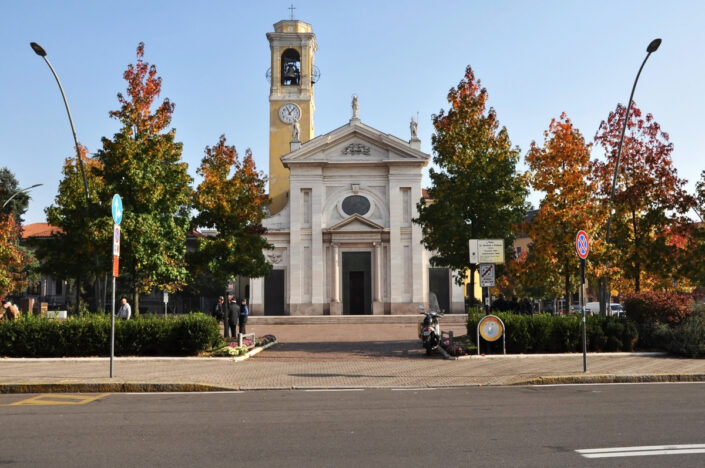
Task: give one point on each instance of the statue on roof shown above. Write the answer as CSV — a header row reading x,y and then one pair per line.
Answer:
x,y
355,106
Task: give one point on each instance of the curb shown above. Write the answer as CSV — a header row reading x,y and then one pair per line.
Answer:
x,y
611,378
108,387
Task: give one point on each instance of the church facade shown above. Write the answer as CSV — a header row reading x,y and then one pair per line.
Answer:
x,y
342,206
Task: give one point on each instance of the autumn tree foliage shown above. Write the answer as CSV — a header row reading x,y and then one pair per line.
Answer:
x,y
691,263
561,169
13,259
477,192
230,200
142,163
650,203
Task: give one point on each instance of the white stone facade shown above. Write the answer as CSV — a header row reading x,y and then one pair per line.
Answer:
x,y
345,242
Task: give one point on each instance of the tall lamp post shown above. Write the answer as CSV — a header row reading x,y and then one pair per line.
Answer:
x,y
651,48
24,190
39,50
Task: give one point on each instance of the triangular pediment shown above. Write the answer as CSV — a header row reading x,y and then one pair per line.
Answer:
x,y
357,143
355,223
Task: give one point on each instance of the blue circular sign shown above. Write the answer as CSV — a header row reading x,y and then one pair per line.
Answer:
x,y
117,208
582,244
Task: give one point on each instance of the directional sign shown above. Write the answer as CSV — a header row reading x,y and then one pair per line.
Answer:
x,y
582,244
117,208
486,275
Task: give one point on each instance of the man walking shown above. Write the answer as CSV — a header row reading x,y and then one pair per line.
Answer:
x,y
125,311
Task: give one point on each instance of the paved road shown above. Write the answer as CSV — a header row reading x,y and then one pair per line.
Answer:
x,y
524,426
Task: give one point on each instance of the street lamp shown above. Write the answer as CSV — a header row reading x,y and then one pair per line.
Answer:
x,y
39,50
651,48
18,192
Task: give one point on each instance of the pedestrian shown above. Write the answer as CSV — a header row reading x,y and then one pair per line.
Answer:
x,y
244,312
11,311
231,317
218,310
125,311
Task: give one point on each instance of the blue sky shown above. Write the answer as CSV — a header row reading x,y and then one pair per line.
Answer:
x,y
537,59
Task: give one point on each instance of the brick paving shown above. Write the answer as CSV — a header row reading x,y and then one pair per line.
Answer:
x,y
335,356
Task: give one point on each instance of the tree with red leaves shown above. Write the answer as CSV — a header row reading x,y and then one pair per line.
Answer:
x,y
650,203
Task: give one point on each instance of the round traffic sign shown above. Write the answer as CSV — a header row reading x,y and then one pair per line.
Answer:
x,y
491,328
582,244
117,208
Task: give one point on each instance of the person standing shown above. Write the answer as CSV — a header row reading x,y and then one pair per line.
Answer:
x,y
244,312
231,317
125,311
218,310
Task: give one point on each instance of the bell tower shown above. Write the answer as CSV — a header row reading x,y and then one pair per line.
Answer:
x,y
292,76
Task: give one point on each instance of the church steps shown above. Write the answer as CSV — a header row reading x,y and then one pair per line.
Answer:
x,y
348,319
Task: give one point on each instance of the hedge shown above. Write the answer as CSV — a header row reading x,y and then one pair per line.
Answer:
x,y
561,334
89,335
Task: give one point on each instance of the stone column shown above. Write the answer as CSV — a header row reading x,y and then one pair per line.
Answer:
x,y
378,272
336,274
336,307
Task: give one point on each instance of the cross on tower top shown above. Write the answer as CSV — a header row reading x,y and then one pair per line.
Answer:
x,y
292,8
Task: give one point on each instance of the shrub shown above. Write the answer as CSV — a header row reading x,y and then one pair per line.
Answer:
x,y
688,339
658,307
560,334
89,335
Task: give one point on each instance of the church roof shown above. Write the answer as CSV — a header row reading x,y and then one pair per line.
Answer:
x,y
393,150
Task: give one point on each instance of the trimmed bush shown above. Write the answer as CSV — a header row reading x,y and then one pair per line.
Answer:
x,y
560,334
89,335
688,339
658,307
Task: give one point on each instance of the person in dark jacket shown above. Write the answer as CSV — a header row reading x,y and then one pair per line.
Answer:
x,y
218,309
244,313
232,312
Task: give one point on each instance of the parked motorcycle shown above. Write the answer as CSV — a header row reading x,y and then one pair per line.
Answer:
x,y
430,330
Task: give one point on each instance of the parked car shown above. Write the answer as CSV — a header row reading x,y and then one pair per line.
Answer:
x,y
593,308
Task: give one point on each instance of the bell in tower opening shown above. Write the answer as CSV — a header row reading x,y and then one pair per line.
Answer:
x,y
291,68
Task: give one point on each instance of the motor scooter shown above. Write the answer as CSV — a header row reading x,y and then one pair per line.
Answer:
x,y
430,330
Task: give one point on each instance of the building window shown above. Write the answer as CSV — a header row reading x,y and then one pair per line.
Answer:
x,y
356,204
518,252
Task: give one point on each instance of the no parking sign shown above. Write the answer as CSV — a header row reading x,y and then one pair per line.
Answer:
x,y
582,244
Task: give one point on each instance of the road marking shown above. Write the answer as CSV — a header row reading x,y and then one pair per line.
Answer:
x,y
48,399
413,389
334,390
641,451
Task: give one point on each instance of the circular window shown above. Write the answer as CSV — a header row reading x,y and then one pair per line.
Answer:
x,y
356,204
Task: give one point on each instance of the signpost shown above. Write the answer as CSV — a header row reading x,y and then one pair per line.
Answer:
x,y
166,301
117,217
582,246
486,253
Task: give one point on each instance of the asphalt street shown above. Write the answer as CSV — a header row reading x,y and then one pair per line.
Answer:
x,y
546,426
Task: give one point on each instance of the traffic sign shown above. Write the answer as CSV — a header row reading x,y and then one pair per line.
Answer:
x,y
582,244
486,275
116,240
117,208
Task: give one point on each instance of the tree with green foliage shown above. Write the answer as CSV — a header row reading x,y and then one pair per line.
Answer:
x,y
477,192
10,192
230,200
78,249
142,163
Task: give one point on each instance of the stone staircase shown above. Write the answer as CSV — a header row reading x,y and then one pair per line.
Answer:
x,y
349,319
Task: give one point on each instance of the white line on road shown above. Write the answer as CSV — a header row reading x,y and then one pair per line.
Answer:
x,y
641,451
413,389
334,390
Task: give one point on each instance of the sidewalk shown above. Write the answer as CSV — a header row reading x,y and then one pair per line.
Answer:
x,y
336,356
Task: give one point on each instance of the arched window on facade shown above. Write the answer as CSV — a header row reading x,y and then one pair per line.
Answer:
x,y
291,68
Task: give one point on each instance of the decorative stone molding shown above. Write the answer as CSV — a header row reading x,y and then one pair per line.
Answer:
x,y
356,148
275,258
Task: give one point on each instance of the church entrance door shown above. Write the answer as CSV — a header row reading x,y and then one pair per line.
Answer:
x,y
274,293
357,283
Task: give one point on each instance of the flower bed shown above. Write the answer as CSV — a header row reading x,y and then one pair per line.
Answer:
x,y
232,349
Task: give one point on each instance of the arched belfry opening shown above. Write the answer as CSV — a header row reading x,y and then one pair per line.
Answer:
x,y
291,68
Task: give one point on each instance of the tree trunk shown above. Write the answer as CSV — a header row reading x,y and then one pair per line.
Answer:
x,y
567,288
